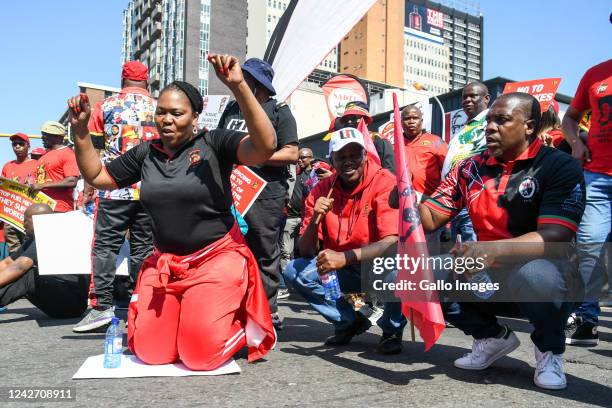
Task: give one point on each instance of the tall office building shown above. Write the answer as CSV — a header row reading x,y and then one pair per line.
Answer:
x,y
454,28
403,42
173,38
263,16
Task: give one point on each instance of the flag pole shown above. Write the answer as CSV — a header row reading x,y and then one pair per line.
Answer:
x,y
411,325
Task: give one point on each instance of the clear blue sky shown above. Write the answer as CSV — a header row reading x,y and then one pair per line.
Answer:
x,y
47,46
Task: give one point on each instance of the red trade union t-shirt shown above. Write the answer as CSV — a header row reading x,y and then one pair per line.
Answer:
x,y
358,218
595,92
56,165
425,155
23,173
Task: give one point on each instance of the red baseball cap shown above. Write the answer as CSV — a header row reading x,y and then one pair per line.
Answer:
x,y
135,70
21,136
38,151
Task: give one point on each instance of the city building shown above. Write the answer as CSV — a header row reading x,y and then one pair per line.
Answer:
x,y
173,38
263,16
404,42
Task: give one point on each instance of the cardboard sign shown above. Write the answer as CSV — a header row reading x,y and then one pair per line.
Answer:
x,y
214,105
246,187
63,244
15,199
543,90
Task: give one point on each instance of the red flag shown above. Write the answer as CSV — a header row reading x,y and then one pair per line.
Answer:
x,y
369,143
426,311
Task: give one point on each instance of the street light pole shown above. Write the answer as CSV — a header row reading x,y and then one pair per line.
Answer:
x,y
421,87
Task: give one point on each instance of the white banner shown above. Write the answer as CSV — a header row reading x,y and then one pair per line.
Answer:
x,y
314,29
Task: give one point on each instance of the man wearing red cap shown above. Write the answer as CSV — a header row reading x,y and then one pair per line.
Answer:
x,y
117,124
22,170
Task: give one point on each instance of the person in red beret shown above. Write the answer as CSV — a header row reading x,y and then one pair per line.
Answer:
x,y
117,124
21,170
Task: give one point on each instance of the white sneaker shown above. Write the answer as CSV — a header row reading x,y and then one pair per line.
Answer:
x,y
549,372
486,351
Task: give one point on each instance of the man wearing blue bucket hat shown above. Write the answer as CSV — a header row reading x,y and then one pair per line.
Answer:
x,y
265,217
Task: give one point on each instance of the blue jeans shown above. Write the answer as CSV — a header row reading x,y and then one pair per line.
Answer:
x,y
301,274
594,230
538,279
462,225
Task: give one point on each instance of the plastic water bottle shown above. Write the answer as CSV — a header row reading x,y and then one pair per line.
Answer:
x,y
331,285
481,277
113,345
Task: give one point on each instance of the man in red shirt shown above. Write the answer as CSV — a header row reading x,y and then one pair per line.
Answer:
x,y
425,154
356,225
520,196
117,124
21,170
594,235
57,172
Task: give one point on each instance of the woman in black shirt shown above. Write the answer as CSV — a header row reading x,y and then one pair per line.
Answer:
x,y
199,296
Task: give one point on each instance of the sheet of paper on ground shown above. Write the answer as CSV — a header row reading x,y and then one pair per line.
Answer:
x,y
63,244
132,367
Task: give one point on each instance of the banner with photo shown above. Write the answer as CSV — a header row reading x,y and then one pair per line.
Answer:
x,y
214,105
15,198
340,90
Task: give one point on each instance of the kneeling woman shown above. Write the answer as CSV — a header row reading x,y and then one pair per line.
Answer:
x,y
199,297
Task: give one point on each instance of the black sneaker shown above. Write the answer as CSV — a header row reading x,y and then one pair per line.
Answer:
x,y
580,333
344,337
390,343
276,322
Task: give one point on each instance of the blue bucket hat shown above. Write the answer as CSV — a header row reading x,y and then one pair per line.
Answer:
x,y
261,71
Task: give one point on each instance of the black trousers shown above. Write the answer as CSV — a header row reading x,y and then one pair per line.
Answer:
x,y
265,219
58,296
114,218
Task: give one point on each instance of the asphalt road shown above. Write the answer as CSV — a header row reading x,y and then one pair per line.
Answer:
x,y
36,351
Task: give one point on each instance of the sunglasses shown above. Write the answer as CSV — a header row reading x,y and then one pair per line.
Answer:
x,y
18,143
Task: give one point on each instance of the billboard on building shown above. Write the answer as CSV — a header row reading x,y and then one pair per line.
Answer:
x,y
424,19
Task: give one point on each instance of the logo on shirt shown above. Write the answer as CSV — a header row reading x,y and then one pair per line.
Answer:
x,y
237,124
528,187
194,157
602,88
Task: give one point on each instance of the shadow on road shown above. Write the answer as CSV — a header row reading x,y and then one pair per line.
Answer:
x,y
507,371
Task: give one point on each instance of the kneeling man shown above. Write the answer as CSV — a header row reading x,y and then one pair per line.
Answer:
x,y
520,196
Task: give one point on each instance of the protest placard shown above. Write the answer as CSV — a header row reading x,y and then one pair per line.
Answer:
x,y
543,90
15,198
246,187
214,105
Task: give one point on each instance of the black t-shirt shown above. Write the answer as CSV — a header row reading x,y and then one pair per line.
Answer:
x,y
294,209
27,249
385,152
188,196
286,133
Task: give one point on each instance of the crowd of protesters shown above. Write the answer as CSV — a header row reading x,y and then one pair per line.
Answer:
x,y
204,282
